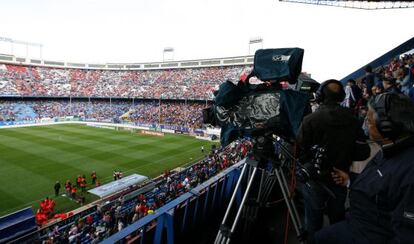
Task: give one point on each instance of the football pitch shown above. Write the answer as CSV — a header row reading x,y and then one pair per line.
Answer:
x,y
32,159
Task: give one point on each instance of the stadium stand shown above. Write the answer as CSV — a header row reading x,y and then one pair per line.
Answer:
x,y
179,84
35,81
141,112
190,83
394,76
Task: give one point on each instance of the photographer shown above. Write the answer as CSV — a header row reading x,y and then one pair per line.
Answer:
x,y
336,129
382,196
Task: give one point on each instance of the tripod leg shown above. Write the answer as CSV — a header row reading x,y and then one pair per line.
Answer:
x,y
290,204
295,211
270,182
242,203
262,179
266,196
233,197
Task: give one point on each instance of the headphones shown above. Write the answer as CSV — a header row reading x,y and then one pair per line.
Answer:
x,y
381,106
320,96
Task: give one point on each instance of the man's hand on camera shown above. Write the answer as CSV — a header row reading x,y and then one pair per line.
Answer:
x,y
340,177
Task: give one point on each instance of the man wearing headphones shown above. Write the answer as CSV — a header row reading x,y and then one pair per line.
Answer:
x,y
382,196
336,129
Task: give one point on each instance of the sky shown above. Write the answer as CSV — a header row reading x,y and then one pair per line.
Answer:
x,y
337,41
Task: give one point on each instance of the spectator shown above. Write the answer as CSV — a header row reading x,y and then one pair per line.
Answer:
x,y
389,85
369,78
403,80
377,89
353,94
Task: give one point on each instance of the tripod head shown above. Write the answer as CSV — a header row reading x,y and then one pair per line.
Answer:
x,y
263,151
270,147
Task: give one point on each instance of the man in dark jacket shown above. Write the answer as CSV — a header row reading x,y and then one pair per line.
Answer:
x,y
337,129
390,86
369,79
57,188
382,196
356,92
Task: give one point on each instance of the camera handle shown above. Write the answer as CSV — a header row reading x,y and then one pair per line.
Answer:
x,y
225,232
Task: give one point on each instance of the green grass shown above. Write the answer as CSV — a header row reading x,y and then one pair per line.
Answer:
x,y
33,158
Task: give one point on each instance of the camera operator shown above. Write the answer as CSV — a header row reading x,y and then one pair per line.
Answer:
x,y
382,196
336,129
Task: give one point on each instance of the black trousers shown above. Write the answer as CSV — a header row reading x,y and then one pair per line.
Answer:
x,y
318,201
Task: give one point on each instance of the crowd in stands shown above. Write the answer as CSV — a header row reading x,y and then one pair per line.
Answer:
x,y
113,217
396,77
142,112
190,83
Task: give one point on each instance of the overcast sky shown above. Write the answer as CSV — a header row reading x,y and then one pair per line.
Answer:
x,y
336,40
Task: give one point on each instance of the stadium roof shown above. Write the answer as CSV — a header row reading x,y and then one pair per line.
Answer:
x,y
370,5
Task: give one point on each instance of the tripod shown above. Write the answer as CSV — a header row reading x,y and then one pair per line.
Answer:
x,y
225,232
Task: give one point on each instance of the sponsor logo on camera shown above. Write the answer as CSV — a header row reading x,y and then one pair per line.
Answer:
x,y
280,58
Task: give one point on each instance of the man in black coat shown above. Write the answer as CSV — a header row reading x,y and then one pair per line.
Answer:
x,y
369,79
336,129
57,188
382,196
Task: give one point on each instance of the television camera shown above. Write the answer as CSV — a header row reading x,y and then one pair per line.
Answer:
x,y
271,117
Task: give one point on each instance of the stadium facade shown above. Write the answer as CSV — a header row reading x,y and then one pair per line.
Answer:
x,y
361,4
199,63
